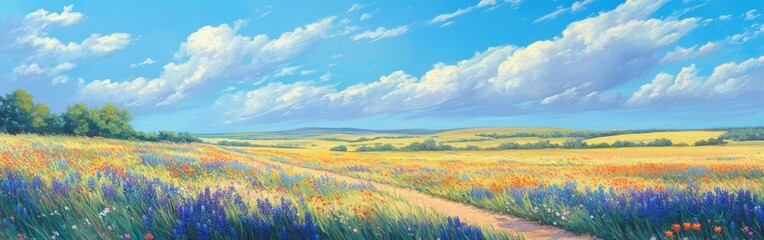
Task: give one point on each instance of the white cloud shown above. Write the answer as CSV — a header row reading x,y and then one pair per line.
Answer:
x,y
287,71
751,32
211,55
725,17
381,33
148,61
486,3
681,54
48,57
445,17
592,56
752,14
365,16
307,72
326,77
552,15
580,5
727,82
355,7
228,89
575,7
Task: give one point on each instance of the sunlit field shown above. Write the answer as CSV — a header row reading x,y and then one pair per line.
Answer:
x,y
679,137
622,193
92,188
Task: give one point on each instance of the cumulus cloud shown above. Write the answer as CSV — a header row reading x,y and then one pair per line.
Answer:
x,y
212,54
49,57
592,56
381,33
681,54
751,32
728,81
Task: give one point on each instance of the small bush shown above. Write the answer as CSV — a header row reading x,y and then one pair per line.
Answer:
x,y
340,148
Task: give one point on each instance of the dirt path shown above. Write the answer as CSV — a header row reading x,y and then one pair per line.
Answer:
x,y
469,214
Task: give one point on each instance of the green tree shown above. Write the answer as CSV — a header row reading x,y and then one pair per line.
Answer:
x,y
18,114
111,122
76,120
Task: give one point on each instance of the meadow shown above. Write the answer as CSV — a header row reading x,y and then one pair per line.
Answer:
x,y
698,192
93,188
293,187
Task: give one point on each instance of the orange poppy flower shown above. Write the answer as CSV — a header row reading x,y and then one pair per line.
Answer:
x,y
676,227
669,234
695,226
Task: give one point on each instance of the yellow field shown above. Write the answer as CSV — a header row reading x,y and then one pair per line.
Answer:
x,y
470,132
640,192
467,137
456,138
687,137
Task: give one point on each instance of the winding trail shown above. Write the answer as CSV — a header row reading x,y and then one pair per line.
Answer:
x,y
467,213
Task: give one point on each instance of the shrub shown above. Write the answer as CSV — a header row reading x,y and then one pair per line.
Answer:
x,y
340,148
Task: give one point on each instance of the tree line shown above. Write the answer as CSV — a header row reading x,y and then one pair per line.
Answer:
x,y
737,134
711,141
432,145
248,144
744,134
19,114
572,134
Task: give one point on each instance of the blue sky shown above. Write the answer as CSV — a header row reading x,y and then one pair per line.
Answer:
x,y
266,65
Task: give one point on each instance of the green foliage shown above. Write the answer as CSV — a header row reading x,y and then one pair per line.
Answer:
x,y
19,114
340,148
76,119
711,141
170,136
573,134
111,122
363,139
427,145
744,134
376,147
536,145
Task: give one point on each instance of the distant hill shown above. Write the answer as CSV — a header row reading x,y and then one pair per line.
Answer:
x,y
314,132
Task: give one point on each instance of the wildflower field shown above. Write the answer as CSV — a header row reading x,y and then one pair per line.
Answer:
x,y
695,192
92,188
55,187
